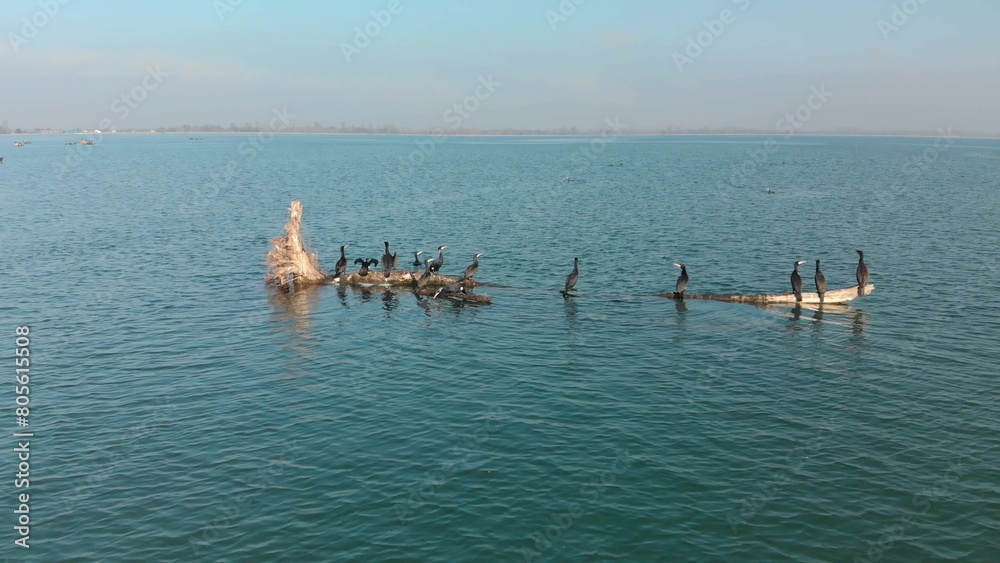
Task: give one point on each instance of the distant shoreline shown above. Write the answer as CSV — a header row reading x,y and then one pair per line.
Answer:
x,y
515,135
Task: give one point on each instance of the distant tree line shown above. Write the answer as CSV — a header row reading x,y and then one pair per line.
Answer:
x,y
368,129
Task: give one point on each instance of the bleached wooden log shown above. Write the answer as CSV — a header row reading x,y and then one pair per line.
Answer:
x,y
290,264
832,297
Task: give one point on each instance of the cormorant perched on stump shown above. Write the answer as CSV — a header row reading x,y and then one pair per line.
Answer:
x,y
341,264
862,273
820,282
472,268
439,261
682,282
365,264
797,281
571,278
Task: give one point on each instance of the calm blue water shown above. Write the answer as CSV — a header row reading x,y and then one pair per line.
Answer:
x,y
183,412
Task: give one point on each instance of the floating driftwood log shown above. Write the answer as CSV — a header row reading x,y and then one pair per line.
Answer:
x,y
831,297
290,265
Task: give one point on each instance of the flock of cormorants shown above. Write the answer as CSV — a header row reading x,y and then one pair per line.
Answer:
x,y
433,266
861,274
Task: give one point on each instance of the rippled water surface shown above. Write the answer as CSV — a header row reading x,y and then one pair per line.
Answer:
x,y
183,412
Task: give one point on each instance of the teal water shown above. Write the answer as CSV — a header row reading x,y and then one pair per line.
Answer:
x,y
182,411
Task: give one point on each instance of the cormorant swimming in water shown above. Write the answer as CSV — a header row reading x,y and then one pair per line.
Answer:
x,y
770,191
571,278
439,261
862,273
365,264
416,258
1,160
682,282
820,282
797,281
341,264
471,270
388,262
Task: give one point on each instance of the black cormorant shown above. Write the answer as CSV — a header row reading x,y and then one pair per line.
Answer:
x,y
388,262
416,258
439,261
456,287
797,281
572,277
472,268
820,282
682,282
341,264
422,280
862,273
365,264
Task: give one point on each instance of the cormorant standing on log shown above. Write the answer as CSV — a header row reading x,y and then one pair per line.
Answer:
x,y
861,273
571,278
797,281
682,282
820,282
472,268
388,261
341,264
416,258
365,264
424,277
439,261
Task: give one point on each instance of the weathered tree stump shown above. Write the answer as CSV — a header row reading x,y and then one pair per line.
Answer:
x,y
290,264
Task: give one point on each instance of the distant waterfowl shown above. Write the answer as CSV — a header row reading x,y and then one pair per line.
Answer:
x,y
472,268
682,282
572,278
365,264
416,258
862,273
1,160
771,192
820,282
439,261
388,262
341,264
797,281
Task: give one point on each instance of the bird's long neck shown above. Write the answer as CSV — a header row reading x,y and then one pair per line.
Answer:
x,y
342,255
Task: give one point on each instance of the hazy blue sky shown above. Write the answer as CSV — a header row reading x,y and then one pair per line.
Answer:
x,y
940,68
